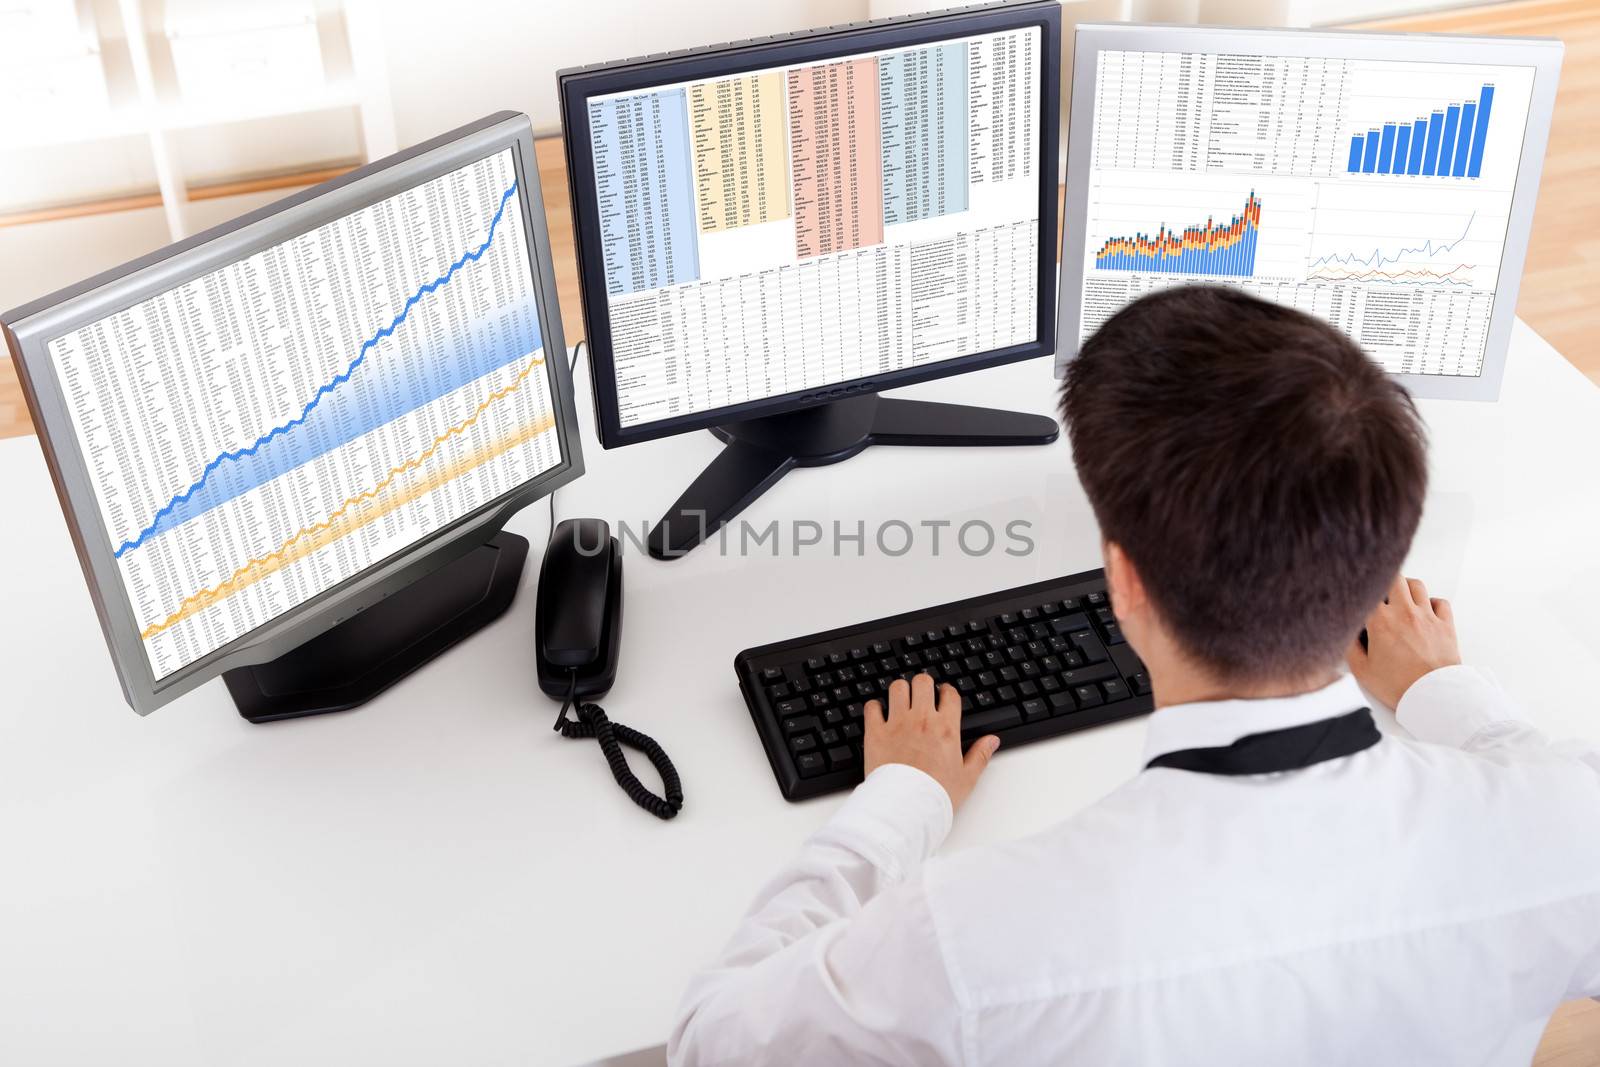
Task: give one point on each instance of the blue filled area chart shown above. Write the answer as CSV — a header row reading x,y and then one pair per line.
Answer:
x,y
261,433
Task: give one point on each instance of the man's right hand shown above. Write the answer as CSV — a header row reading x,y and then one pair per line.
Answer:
x,y
1408,635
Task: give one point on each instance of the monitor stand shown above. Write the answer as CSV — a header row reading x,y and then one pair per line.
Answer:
x,y
367,653
760,451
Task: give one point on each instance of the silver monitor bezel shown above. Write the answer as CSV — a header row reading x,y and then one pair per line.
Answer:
x,y
30,328
1543,54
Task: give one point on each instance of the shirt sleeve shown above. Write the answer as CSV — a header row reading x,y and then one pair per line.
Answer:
x,y
1459,706
838,959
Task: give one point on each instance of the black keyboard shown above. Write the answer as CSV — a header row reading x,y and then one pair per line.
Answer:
x,y
1031,662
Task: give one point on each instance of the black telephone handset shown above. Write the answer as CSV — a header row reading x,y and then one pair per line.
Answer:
x,y
577,638
578,629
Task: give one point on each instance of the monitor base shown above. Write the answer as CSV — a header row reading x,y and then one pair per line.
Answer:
x,y
760,451
367,653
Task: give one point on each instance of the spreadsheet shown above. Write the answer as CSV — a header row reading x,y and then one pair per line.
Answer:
x,y
259,434
808,225
1374,194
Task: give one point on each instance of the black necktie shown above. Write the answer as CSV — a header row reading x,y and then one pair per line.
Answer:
x,y
1288,749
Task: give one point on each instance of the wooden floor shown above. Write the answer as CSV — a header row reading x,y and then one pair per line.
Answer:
x,y
1559,289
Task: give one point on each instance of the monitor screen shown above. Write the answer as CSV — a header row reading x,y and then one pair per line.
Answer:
x,y
260,433
1373,193
794,227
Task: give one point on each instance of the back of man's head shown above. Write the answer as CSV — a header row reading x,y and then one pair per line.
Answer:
x,y
1263,475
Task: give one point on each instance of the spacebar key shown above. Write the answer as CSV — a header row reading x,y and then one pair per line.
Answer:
x,y
993,719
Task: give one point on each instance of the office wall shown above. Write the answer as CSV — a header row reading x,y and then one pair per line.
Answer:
x,y
504,53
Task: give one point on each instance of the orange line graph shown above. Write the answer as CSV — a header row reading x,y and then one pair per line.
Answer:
x,y
1402,274
341,522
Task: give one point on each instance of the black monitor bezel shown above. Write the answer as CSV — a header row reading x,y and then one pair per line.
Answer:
x,y
577,86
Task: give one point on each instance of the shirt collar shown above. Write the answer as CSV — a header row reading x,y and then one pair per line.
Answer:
x,y
1216,723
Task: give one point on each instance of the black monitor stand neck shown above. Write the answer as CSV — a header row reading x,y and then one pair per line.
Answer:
x,y
368,652
760,451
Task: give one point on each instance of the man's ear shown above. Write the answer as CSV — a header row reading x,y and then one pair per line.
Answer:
x,y
1123,581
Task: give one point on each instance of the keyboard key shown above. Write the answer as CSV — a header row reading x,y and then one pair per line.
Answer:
x,y
975,627
833,717
1141,683
803,743
1098,672
1065,624
912,640
815,663
797,724
844,674
810,765
771,674
858,653
1072,603
1088,646
880,648
1050,683
1029,614
1028,689
792,706
1005,694
1052,608
854,709
838,659
1088,695
830,737
829,679
1061,703
778,692
953,631
1097,599
1007,620
994,719
1114,635
819,700
1115,689
851,731
1034,710
984,700
1010,674
840,757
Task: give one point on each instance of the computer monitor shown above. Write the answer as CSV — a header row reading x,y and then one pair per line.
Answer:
x,y
771,232
333,401
1383,182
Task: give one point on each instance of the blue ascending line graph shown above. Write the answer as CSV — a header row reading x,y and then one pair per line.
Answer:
x,y
279,451
1397,265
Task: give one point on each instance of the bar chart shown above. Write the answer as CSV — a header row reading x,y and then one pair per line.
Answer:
x,y
1449,142
1225,249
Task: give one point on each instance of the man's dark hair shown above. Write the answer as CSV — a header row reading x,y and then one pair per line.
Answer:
x,y
1263,475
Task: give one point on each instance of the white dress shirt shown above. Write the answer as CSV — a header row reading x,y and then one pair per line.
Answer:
x,y
1420,902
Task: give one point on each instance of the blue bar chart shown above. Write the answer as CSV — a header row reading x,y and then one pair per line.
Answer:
x,y
1448,143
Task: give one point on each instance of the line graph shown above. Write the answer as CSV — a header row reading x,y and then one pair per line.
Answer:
x,y
1416,263
308,539
170,509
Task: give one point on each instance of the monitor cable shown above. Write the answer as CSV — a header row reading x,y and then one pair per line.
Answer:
x,y
592,721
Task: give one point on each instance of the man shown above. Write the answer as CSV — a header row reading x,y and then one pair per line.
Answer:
x,y
1280,885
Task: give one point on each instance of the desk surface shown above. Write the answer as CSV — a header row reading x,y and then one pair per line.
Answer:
x,y
436,877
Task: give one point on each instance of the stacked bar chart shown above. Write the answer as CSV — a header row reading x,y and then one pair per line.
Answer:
x,y
1447,143
1223,249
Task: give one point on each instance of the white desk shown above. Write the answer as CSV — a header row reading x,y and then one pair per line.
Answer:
x,y
438,878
